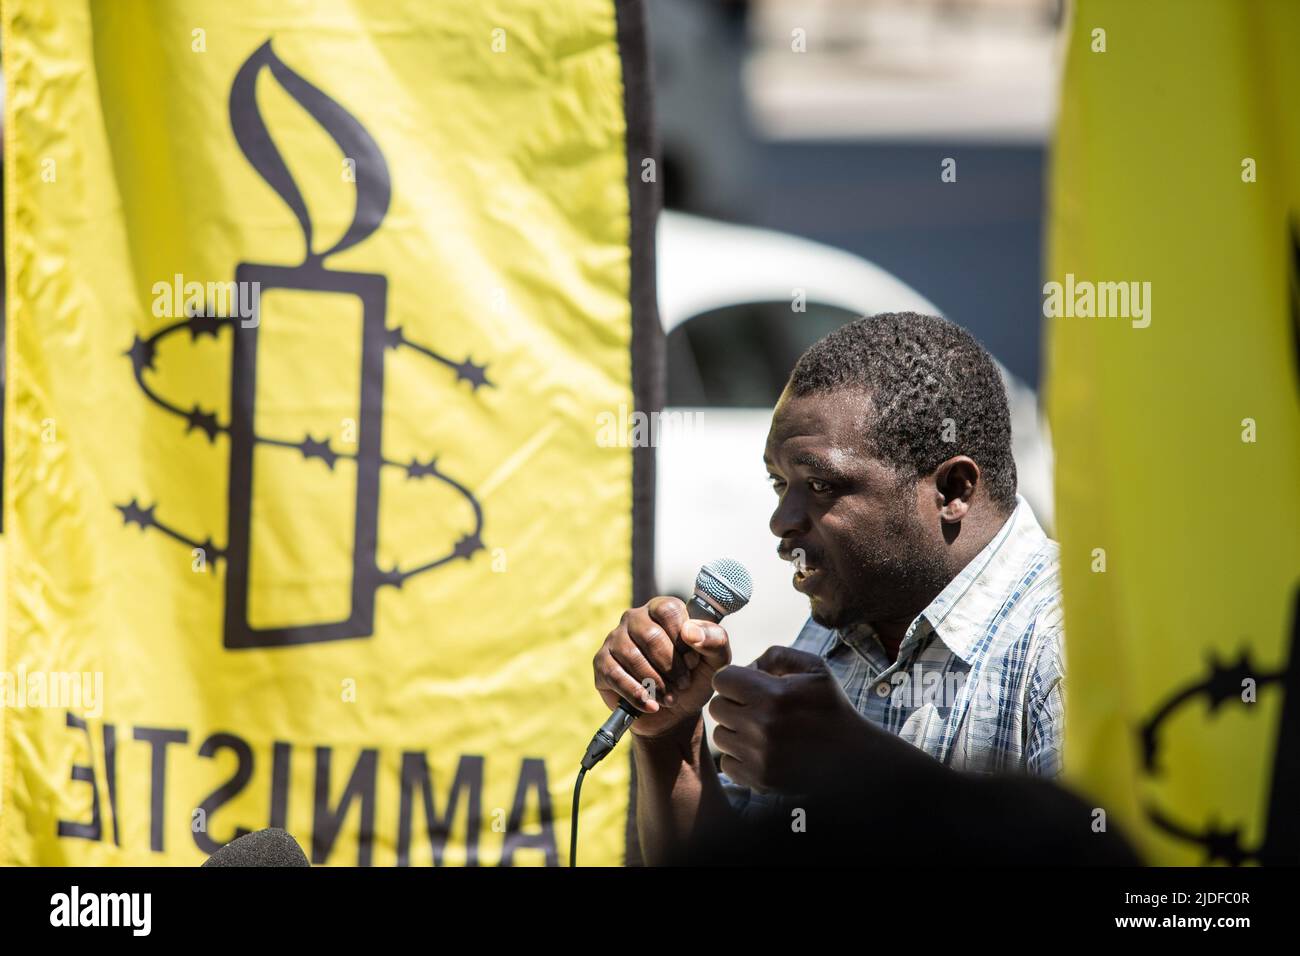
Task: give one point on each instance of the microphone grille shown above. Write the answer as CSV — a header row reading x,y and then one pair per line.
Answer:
x,y
726,583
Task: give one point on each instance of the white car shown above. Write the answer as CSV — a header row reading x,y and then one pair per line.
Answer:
x,y
727,299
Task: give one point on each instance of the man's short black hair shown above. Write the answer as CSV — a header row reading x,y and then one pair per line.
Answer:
x,y
920,370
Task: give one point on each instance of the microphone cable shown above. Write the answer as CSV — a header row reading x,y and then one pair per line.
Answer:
x,y
573,826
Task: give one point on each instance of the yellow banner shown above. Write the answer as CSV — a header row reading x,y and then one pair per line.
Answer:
x,y
314,310
1175,405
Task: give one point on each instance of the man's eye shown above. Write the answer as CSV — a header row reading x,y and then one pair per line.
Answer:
x,y
818,487
775,482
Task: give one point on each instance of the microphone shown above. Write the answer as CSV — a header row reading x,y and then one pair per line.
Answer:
x,y
270,847
722,587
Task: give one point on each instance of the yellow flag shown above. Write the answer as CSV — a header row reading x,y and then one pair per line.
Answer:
x,y
318,317
1174,395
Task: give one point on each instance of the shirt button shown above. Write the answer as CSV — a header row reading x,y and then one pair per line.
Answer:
x,y
882,689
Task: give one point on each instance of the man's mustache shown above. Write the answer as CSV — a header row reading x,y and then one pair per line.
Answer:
x,y
799,556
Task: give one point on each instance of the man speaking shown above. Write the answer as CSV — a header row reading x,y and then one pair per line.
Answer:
x,y
934,597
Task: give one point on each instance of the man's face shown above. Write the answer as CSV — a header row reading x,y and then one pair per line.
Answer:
x,y
860,528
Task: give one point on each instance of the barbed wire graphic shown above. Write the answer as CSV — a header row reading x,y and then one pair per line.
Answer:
x,y
1223,683
143,354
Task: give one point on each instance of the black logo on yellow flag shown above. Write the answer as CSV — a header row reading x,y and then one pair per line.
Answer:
x,y
373,194
1222,841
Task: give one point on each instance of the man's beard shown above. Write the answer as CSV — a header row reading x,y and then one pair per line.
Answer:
x,y
887,584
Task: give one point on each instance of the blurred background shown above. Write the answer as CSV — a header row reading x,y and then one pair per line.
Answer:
x,y
803,143
802,146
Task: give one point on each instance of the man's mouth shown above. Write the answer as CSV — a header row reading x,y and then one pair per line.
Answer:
x,y
806,575
807,578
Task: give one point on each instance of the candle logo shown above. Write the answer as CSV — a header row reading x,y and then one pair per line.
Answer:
x,y
252,445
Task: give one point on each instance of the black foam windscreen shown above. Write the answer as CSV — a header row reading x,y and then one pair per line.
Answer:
x,y
270,847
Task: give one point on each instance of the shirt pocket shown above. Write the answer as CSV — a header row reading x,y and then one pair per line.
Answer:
x,y
984,745
924,727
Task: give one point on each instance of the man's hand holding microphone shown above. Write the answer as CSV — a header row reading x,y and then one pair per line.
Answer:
x,y
663,662
648,666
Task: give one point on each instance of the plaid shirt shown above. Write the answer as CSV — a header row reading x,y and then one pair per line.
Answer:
x,y
978,679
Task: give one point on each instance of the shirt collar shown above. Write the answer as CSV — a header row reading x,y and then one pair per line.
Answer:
x,y
960,613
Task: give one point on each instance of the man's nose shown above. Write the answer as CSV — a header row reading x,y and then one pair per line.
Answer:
x,y
790,519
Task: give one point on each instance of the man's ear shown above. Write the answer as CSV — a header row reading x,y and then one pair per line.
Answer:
x,y
955,482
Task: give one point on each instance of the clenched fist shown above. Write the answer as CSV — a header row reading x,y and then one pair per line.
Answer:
x,y
784,724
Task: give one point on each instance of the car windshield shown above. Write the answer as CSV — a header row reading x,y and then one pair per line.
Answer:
x,y
740,356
